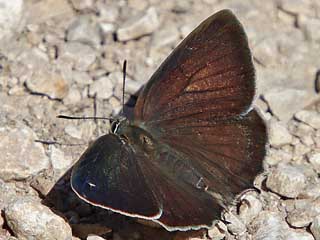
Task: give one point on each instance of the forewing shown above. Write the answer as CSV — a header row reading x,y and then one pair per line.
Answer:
x,y
208,76
108,175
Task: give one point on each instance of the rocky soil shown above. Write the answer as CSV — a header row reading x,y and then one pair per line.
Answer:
x,y
65,57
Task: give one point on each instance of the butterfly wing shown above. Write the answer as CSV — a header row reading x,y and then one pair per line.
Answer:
x,y
108,175
209,75
198,104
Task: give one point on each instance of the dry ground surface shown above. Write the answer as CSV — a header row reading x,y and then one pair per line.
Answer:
x,y
65,57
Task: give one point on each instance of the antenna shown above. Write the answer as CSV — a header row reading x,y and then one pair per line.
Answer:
x,y
83,118
124,71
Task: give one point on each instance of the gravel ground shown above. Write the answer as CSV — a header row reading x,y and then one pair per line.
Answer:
x,y
65,57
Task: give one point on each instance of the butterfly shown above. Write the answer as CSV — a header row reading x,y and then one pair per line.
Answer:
x,y
194,141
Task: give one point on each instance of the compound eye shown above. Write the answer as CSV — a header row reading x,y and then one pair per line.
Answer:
x,y
146,141
114,126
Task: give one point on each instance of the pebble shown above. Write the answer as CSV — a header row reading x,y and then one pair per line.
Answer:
x,y
49,83
301,212
314,159
250,207
7,193
22,157
234,223
80,55
300,150
10,16
164,37
131,86
218,231
139,26
315,227
278,134
107,12
285,102
33,59
267,226
276,156
73,96
312,118
73,131
58,159
81,78
292,234
41,11
297,6
101,88
95,237
27,217
83,5
310,28
312,191
286,180
84,30
44,181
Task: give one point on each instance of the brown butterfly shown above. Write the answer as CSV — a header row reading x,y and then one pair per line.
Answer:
x,y
194,142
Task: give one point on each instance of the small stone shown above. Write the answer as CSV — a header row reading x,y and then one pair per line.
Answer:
x,y
287,181
276,156
81,78
101,88
10,16
43,10
304,132
139,26
33,59
300,150
73,131
58,159
164,37
7,194
22,157
250,207
95,237
297,6
311,27
82,131
278,134
107,12
292,234
218,231
80,55
287,18
138,4
234,223
312,118
73,96
265,51
314,159
311,191
29,219
44,181
83,5
107,28
301,212
267,226
285,102
85,31
315,227
48,82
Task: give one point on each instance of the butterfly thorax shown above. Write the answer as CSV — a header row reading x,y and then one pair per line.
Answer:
x,y
133,135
